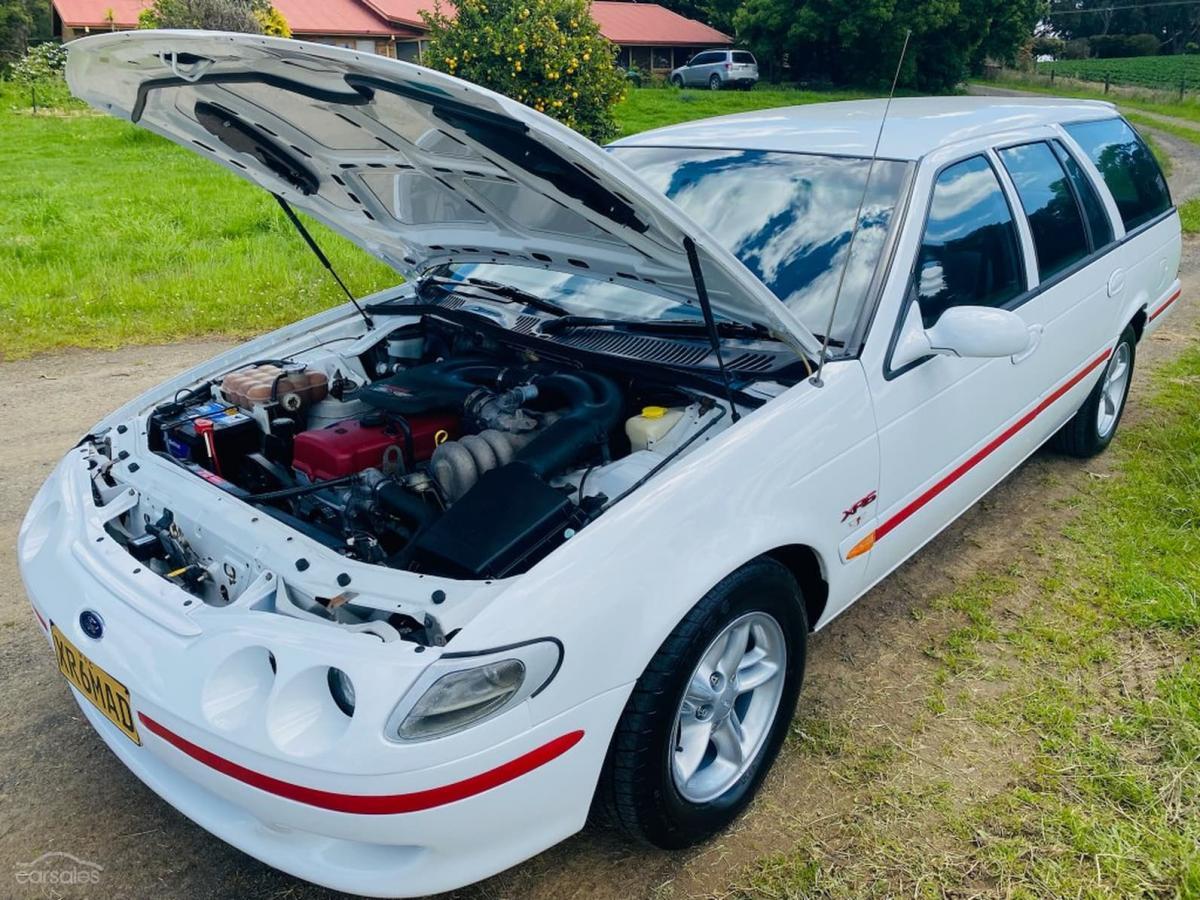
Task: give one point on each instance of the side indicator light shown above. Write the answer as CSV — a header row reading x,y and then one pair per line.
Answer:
x,y
862,546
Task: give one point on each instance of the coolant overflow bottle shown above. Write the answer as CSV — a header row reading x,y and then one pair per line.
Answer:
x,y
651,426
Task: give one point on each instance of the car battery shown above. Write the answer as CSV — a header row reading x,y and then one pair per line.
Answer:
x,y
234,433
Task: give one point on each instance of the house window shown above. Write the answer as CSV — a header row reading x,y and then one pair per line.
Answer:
x,y
409,51
661,57
641,57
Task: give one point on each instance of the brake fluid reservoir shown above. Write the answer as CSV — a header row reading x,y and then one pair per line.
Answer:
x,y
651,426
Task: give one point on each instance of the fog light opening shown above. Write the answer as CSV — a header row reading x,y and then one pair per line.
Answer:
x,y
341,688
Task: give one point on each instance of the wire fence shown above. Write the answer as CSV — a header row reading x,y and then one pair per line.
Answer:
x,y
1176,77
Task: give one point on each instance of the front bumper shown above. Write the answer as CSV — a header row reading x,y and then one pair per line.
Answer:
x,y
335,804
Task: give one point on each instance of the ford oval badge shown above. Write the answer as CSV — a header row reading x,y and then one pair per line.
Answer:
x,y
92,624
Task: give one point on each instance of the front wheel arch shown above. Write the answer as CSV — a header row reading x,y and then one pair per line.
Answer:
x,y
807,568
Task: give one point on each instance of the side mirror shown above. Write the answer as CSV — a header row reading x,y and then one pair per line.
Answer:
x,y
975,332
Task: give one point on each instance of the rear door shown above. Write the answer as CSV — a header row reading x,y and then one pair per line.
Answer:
x,y
1074,306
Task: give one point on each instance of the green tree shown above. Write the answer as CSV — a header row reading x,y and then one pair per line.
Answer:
x,y
859,41
216,15
16,25
1173,24
272,22
548,54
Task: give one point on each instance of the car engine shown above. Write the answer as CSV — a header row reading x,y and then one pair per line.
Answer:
x,y
433,451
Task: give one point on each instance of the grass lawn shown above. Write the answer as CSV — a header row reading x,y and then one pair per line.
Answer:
x,y
111,236
654,108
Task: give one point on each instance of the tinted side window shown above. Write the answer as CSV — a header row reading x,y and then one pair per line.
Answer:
x,y
1093,207
1059,236
969,255
1129,169
703,59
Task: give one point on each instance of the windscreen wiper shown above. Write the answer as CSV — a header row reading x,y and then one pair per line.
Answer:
x,y
661,326
502,293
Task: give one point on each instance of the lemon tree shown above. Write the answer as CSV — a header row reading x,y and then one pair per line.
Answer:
x,y
547,54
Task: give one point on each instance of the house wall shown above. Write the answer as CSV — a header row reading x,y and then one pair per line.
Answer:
x,y
659,60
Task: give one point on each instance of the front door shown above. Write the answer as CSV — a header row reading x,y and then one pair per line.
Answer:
x,y
949,428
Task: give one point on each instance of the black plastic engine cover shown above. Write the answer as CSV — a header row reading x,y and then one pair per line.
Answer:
x,y
507,521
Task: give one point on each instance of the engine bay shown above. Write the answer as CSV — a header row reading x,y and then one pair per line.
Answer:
x,y
430,448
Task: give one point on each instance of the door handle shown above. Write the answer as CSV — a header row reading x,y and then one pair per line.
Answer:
x,y
1035,341
1116,282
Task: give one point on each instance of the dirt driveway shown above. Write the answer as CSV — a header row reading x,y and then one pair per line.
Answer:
x,y
61,789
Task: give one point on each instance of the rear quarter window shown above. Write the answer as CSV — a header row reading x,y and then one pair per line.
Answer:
x,y
1129,169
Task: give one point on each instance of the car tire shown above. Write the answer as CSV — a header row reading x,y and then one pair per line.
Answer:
x,y
749,86
1091,429
714,83
640,790
677,81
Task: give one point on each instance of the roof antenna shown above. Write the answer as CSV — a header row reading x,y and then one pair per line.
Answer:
x,y
816,379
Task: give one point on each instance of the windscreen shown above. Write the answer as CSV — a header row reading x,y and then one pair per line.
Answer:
x,y
787,217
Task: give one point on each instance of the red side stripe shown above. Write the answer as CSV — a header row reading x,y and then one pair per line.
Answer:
x,y
366,804
41,621
1162,309
979,455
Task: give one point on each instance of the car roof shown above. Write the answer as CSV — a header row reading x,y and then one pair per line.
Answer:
x,y
915,125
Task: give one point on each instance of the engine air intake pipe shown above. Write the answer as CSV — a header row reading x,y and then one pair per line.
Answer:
x,y
594,409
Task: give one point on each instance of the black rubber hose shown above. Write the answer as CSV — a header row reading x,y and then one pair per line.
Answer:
x,y
595,410
405,505
436,386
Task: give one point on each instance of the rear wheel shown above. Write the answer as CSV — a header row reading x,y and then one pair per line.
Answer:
x,y
714,83
1091,429
706,719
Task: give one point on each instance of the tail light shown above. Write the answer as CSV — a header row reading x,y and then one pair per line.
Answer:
x,y
728,66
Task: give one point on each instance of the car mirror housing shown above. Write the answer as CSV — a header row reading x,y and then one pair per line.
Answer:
x,y
970,332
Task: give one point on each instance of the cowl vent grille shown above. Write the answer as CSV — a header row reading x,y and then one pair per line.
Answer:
x,y
636,346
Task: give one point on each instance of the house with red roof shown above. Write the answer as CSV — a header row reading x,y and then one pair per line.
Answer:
x,y
648,36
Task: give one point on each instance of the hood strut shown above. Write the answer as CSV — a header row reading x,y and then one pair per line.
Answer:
x,y
324,260
706,308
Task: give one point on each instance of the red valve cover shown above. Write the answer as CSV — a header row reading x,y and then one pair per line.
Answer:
x,y
350,446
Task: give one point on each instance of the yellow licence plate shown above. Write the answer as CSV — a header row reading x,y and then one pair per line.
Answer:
x,y
106,693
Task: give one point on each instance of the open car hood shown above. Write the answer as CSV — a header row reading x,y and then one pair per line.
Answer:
x,y
416,167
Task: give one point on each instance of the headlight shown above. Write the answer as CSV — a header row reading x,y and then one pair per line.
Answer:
x,y
459,691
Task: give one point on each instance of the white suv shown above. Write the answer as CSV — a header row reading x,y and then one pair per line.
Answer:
x,y
717,69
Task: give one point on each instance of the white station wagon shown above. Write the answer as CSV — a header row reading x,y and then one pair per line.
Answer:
x,y
392,597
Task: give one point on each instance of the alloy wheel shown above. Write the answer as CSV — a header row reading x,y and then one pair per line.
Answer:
x,y
728,707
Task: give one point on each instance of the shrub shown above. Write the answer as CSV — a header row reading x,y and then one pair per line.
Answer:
x,y
1112,46
272,22
41,63
217,15
547,54
1078,48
